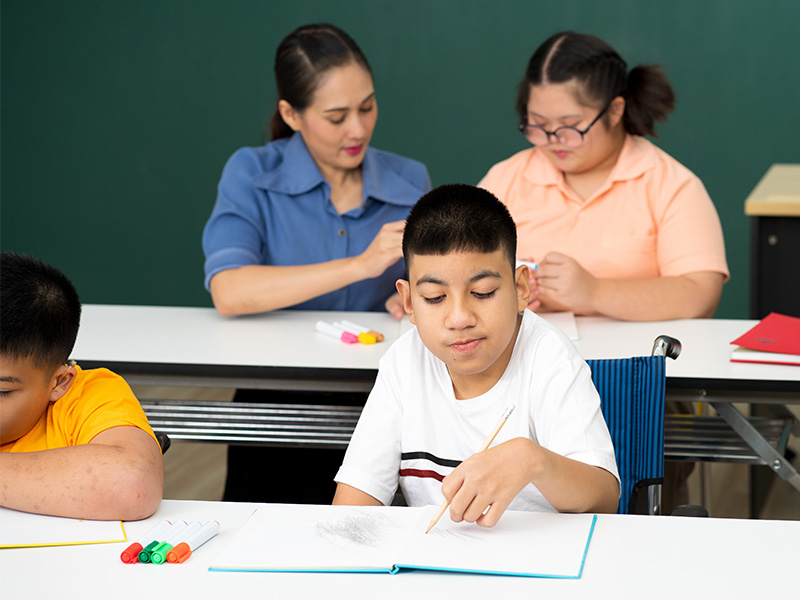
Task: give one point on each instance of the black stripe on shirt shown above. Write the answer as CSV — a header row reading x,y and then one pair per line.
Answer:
x,y
428,456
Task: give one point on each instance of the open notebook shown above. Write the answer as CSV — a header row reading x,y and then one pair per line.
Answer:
x,y
308,538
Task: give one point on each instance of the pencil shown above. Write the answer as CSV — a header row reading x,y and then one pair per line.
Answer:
x,y
486,444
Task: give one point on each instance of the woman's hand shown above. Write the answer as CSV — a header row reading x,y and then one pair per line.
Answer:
x,y
394,306
385,250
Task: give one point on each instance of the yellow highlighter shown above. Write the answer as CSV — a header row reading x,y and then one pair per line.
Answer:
x,y
364,337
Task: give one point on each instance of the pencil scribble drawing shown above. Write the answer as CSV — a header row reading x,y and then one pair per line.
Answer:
x,y
459,533
357,529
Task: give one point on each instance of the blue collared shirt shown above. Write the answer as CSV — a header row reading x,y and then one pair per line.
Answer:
x,y
274,208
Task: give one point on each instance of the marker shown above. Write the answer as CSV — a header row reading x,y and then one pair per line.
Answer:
x,y
131,554
337,332
147,551
531,265
159,555
363,336
184,550
378,336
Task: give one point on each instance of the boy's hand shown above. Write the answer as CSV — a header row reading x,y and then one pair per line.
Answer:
x,y
489,479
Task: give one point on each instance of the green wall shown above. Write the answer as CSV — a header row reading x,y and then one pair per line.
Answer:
x,y
118,116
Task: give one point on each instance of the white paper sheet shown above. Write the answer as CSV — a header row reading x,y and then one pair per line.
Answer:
x,y
21,529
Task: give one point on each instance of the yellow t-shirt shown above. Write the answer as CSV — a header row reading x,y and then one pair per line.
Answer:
x,y
96,401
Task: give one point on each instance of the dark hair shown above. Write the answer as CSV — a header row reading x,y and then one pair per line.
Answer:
x,y
459,218
301,60
40,311
602,76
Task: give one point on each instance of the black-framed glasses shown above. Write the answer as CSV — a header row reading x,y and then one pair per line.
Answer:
x,y
566,135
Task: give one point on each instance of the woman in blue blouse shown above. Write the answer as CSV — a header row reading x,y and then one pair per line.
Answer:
x,y
313,220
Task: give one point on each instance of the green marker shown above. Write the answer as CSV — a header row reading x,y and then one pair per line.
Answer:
x,y
146,554
159,555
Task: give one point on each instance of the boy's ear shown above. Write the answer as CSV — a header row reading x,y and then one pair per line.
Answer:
x,y
62,381
523,285
404,289
289,115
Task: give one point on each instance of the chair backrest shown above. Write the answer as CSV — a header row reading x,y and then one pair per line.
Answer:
x,y
632,400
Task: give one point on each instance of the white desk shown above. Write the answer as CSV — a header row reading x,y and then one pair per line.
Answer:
x,y
629,557
196,346
281,350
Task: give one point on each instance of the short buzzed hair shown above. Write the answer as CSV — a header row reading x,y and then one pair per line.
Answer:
x,y
459,218
40,311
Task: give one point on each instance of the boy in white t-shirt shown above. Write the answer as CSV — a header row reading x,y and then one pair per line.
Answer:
x,y
443,386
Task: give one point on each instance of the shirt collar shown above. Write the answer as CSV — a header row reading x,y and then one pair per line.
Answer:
x,y
383,183
634,159
298,173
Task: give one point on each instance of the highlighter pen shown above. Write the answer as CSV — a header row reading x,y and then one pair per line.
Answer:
x,y
159,555
184,550
363,336
378,336
131,554
337,332
147,551
531,265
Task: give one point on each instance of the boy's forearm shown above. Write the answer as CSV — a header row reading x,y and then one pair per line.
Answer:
x,y
91,481
572,486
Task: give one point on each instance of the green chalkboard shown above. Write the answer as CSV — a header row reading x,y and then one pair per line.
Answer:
x,y
118,116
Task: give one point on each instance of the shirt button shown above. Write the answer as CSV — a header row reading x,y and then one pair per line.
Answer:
x,y
342,233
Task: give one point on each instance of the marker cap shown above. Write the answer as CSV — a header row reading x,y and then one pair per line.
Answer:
x,y
159,555
131,554
179,553
144,554
366,338
349,338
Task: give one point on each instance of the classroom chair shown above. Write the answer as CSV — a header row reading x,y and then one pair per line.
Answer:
x,y
632,401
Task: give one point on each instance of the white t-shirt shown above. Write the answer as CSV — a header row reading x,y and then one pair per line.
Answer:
x,y
413,431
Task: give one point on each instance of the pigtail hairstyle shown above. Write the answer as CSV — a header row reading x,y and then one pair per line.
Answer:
x,y
649,98
602,76
301,60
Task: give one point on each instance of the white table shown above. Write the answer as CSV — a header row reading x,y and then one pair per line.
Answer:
x,y
196,346
281,350
629,557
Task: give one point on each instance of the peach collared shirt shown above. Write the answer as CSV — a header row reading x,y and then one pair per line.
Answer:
x,y
652,217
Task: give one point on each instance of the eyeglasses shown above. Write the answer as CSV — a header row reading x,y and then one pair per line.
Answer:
x,y
566,135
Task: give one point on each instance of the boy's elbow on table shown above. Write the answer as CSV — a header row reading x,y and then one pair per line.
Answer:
x,y
138,498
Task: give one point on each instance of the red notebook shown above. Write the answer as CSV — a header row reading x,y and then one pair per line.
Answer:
x,y
775,339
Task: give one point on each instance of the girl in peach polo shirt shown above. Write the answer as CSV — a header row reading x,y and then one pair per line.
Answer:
x,y
618,227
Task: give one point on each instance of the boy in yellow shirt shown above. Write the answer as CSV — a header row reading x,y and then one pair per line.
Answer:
x,y
73,443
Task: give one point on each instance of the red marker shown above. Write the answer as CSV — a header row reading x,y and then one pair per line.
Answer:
x,y
131,554
184,550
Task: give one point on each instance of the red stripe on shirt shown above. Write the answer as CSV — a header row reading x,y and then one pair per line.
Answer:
x,y
421,473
